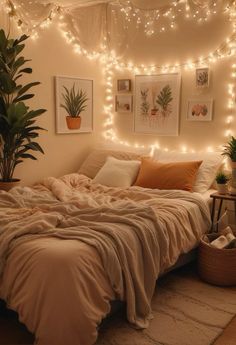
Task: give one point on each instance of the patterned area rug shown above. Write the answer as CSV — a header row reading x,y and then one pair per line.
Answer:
x,y
186,312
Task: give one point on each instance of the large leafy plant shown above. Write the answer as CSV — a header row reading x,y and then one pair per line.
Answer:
x,y
230,149
165,97
74,101
17,121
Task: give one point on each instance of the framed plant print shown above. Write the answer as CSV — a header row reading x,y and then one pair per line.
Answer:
x,y
74,105
202,77
124,85
200,110
157,104
124,103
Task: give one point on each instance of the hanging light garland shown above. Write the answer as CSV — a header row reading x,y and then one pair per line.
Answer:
x,y
153,21
111,63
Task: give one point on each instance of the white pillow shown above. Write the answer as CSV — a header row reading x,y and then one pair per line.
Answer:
x,y
211,162
118,173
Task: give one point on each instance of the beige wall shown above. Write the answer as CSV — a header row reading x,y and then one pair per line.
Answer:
x,y
188,42
51,56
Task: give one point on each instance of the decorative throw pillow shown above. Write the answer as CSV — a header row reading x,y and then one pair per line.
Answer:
x,y
118,173
211,163
177,175
97,158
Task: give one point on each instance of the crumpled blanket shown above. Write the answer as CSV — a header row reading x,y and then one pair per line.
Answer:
x,y
96,243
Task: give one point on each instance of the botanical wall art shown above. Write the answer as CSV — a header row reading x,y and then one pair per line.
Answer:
x,y
157,104
124,85
202,77
124,103
200,110
74,105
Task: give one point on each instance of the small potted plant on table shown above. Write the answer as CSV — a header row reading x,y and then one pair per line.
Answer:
x,y
230,152
222,180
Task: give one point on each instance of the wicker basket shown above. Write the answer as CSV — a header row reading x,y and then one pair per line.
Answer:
x,y
216,266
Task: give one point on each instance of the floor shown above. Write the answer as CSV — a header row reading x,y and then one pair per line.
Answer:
x,y
14,333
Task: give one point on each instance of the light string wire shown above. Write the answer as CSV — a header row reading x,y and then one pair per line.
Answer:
x,y
112,63
150,18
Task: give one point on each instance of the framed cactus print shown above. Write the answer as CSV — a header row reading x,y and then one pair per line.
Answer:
x,y
157,104
74,105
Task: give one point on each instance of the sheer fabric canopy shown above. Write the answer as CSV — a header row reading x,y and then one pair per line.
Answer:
x,y
106,25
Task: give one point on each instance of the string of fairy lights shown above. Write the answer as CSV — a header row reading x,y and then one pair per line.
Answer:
x,y
111,64
159,20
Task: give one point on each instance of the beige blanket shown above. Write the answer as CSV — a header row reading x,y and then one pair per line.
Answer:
x,y
68,247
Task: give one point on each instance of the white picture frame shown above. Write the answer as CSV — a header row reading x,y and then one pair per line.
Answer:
x,y
124,103
200,110
79,84
202,77
124,85
157,99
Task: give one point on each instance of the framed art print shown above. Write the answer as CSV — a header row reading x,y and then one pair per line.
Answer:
x,y
202,77
124,103
124,85
74,105
200,110
157,104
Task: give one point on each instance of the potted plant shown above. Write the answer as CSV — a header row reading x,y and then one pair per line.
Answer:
x,y
164,100
75,103
17,121
230,152
222,180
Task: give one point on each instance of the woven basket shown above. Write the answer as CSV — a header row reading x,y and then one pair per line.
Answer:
x,y
216,266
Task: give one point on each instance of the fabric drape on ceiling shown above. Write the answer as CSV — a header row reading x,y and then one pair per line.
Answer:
x,y
88,25
97,26
32,14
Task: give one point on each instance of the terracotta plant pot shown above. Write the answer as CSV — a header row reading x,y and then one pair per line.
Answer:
x,y
233,165
153,111
73,122
222,188
6,186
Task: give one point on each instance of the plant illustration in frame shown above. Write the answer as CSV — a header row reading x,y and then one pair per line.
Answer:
x,y
144,105
202,77
157,104
74,98
74,103
164,100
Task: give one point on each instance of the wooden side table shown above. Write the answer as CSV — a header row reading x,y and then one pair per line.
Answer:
x,y
221,198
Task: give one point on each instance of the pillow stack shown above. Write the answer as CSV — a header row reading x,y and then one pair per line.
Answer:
x,y
194,172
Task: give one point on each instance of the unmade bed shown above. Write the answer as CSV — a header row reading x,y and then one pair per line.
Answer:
x,y
69,246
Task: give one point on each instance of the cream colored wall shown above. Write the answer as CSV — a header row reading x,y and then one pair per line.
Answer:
x,y
187,42
51,56
64,153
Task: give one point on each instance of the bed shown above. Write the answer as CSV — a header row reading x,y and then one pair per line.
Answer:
x,y
70,246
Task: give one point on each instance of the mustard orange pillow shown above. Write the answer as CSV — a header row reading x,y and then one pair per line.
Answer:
x,y
174,175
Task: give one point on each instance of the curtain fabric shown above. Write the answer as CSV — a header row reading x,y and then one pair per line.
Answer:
x,y
99,26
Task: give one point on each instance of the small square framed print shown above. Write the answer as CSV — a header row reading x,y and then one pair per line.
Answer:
x,y
200,110
202,77
124,103
124,85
